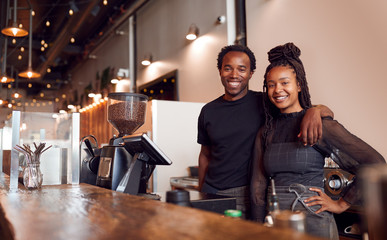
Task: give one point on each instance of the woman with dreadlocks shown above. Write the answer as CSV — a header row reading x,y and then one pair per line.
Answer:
x,y
298,169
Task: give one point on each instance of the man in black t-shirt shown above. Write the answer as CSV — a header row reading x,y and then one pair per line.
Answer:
x,y
227,127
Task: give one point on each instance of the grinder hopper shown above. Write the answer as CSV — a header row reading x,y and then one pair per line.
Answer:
x,y
126,111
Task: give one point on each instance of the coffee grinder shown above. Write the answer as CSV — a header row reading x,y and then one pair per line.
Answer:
x,y
127,163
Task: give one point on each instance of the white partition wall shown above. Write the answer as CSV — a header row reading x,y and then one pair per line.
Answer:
x,y
174,130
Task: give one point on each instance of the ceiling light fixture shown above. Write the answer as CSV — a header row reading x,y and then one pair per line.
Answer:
x,y
147,60
193,32
4,78
29,73
122,73
14,30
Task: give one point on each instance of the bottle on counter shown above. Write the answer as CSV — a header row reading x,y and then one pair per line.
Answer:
x,y
273,206
233,213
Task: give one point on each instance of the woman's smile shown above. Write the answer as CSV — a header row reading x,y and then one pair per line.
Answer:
x,y
283,89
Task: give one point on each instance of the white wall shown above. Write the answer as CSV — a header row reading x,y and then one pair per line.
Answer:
x,y
343,45
161,29
174,131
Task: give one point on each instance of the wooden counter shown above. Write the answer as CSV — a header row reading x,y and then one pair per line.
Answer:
x,y
88,212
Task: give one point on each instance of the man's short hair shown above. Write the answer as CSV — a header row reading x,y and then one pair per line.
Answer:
x,y
236,48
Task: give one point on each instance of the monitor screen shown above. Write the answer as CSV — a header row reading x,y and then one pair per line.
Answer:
x,y
143,144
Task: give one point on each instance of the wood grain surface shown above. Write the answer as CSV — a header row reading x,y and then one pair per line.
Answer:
x,y
89,212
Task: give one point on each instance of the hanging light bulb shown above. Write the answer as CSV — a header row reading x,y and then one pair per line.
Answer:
x,y
4,78
29,73
14,30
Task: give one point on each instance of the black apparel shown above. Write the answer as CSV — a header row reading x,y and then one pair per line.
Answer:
x,y
347,150
229,128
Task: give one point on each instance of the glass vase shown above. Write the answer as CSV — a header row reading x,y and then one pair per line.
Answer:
x,y
32,176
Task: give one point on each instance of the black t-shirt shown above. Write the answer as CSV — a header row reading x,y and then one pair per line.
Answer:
x,y
230,128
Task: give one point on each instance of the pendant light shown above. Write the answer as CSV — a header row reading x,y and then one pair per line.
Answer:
x,y
4,78
14,30
29,73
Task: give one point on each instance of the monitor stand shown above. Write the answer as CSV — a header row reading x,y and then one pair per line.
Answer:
x,y
136,177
